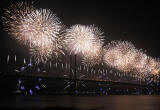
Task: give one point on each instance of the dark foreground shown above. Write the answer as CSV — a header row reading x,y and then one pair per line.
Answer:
x,y
112,102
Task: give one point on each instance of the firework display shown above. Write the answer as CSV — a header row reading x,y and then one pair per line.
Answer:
x,y
85,41
125,57
40,30
70,59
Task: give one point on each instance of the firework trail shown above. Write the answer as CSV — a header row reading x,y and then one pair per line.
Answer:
x,y
125,57
37,28
85,41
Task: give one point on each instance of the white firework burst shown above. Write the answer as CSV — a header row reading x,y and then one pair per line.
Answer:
x,y
125,57
40,25
119,55
41,29
37,28
85,41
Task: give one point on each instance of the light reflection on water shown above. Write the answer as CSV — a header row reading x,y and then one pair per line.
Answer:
x,y
113,102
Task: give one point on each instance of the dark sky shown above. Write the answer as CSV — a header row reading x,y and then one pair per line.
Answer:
x,y
137,22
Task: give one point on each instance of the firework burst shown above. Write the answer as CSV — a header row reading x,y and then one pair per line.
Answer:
x,y
43,28
119,55
37,28
85,41
125,57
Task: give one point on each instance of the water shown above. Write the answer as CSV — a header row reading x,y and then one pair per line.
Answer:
x,y
112,102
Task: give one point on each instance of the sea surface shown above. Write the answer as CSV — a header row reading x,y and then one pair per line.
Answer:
x,y
64,102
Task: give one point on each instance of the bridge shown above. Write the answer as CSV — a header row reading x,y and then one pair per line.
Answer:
x,y
73,78
44,85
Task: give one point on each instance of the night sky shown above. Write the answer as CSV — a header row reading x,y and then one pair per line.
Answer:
x,y
136,22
